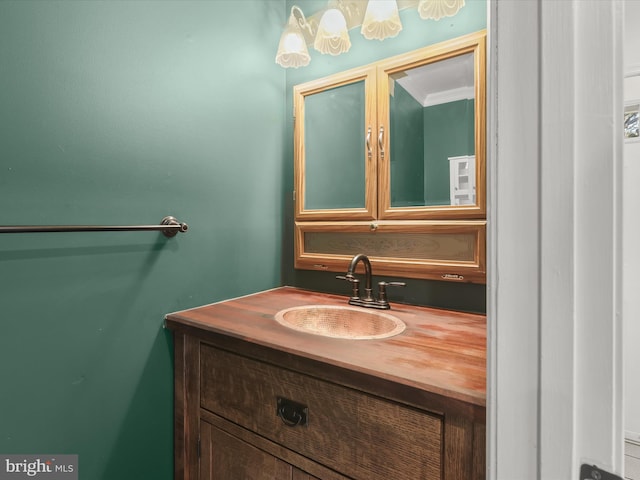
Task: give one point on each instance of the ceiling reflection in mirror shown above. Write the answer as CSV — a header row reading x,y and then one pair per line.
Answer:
x,y
432,127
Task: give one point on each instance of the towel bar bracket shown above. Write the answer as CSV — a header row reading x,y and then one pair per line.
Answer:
x,y
172,232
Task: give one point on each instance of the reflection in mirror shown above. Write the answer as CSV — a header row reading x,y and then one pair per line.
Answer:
x,y
432,134
334,148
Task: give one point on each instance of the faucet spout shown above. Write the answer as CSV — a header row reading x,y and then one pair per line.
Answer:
x,y
367,273
367,300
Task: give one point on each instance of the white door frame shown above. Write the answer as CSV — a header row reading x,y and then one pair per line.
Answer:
x,y
554,238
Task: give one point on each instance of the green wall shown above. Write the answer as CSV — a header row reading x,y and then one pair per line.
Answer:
x,y
116,112
407,161
338,175
445,136
416,33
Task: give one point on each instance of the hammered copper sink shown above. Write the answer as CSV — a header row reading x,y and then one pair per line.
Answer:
x,y
354,323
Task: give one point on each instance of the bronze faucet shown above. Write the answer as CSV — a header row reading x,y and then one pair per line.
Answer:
x,y
367,300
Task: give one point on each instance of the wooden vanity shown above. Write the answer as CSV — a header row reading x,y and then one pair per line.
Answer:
x,y
408,407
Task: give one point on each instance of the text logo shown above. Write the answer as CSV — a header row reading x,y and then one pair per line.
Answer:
x,y
39,467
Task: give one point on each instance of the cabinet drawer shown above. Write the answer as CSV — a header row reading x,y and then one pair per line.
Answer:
x,y
221,454
360,435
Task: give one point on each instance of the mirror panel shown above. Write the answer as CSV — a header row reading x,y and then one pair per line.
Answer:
x,y
334,158
334,141
431,119
432,100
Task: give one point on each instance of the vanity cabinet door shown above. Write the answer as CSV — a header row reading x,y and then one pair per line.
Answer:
x,y
225,457
335,147
431,107
357,435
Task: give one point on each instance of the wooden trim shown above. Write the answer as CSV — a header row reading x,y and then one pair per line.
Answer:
x,y
186,405
191,406
472,43
377,175
300,92
266,445
472,270
464,449
458,445
180,418
479,453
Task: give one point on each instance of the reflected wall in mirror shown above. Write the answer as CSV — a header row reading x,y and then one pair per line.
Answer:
x,y
335,171
431,119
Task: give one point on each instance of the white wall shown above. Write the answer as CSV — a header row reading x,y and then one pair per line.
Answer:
x,y
555,238
631,231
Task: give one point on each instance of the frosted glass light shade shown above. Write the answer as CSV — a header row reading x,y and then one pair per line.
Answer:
x,y
332,36
437,9
381,20
292,49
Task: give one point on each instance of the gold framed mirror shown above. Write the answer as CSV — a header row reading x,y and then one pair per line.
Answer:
x,y
431,103
389,159
403,138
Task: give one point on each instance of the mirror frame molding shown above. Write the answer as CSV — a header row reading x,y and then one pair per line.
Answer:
x,y
465,264
471,43
300,92
377,170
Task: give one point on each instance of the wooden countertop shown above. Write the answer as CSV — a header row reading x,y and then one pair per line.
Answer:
x,y
441,353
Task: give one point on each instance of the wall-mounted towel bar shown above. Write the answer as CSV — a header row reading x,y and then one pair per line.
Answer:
x,y
169,226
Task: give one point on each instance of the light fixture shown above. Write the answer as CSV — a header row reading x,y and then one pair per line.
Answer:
x,y
381,20
328,30
332,36
437,9
292,49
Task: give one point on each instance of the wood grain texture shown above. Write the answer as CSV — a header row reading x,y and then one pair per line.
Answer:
x,y
367,74
358,435
441,253
179,411
304,465
410,406
377,77
441,352
186,404
225,457
471,43
191,405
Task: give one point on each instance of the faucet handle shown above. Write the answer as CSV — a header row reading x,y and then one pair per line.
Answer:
x,y
355,282
382,290
382,285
